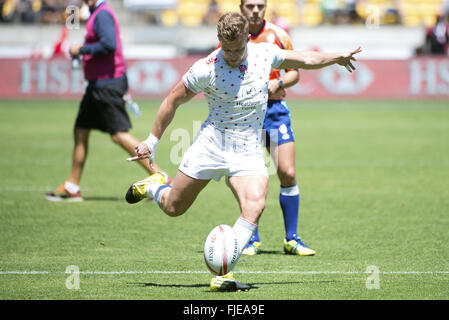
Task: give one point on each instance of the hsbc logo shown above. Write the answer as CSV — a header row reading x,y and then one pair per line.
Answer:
x,y
423,77
338,80
151,77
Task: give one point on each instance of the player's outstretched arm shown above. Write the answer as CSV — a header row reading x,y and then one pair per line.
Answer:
x,y
179,95
317,60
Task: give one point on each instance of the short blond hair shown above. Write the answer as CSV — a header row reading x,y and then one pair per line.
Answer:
x,y
232,26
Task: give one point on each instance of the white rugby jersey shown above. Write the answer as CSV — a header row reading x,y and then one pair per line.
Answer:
x,y
237,97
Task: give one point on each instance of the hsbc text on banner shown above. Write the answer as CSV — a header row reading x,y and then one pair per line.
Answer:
x,y
426,77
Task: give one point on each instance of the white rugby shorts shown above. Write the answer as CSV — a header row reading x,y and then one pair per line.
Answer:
x,y
211,156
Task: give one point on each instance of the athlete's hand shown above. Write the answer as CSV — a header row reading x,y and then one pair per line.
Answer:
x,y
142,152
146,149
347,57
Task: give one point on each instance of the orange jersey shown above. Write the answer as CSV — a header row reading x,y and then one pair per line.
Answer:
x,y
273,34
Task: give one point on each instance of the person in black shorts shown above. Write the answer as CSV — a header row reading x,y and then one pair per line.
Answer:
x,y
103,105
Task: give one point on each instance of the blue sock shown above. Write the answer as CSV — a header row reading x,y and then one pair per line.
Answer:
x,y
289,199
255,236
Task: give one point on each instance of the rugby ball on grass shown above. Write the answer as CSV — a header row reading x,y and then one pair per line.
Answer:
x,y
221,250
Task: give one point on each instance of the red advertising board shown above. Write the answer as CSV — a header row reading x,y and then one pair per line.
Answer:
x,y
426,77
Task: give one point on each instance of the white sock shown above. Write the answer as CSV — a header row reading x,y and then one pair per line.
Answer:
x,y
290,191
151,189
71,187
159,192
244,230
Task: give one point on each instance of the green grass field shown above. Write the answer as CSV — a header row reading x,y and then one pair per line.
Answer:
x,y
374,180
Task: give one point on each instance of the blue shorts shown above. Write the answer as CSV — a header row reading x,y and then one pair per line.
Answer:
x,y
277,123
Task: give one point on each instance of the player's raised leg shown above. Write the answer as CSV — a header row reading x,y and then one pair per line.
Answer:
x,y
173,200
176,200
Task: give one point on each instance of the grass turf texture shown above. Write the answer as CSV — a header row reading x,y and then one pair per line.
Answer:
x,y
374,181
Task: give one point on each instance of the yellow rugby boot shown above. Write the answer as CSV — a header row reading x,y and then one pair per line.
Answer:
x,y
227,283
137,191
296,246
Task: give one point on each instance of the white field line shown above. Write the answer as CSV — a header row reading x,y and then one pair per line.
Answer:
x,y
206,272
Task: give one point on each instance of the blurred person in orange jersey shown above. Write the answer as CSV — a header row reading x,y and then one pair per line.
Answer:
x,y
278,127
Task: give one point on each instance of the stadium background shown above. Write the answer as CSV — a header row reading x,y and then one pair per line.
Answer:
x,y
405,49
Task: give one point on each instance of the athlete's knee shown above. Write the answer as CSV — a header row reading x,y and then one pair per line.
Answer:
x,y
253,206
287,176
252,210
174,210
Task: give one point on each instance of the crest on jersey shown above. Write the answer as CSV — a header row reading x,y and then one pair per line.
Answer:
x,y
243,68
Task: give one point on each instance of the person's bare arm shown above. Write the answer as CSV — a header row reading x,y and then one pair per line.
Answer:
x,y
317,60
178,96
289,79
